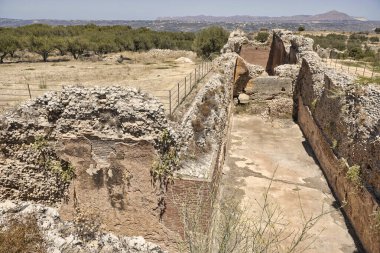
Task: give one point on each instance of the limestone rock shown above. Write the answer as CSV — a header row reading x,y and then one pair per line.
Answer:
x,y
236,39
63,236
323,52
243,73
31,131
243,98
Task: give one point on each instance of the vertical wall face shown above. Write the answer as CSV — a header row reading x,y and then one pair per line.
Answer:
x,y
277,55
113,183
360,205
341,122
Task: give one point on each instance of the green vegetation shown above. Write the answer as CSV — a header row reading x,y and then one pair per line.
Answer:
x,y
377,30
313,104
301,28
209,41
8,46
48,159
367,80
262,37
354,175
331,40
353,46
44,39
162,169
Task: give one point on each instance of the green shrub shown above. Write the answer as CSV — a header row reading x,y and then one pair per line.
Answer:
x,y
374,39
42,39
331,40
358,37
210,40
301,28
354,175
262,37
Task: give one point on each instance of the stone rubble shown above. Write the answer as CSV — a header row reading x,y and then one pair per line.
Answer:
x,y
62,236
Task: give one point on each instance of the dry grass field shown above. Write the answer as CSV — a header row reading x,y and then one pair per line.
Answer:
x,y
150,71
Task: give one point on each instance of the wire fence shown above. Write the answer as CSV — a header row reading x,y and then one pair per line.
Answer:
x,y
171,98
359,68
178,93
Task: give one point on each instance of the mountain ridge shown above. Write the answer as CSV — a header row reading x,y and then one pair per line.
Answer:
x,y
328,16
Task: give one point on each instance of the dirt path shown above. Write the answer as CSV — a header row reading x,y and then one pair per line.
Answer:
x,y
257,148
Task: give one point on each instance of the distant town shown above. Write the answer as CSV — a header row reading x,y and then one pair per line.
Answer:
x,y
330,21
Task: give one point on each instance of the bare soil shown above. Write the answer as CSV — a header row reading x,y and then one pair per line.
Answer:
x,y
152,72
255,55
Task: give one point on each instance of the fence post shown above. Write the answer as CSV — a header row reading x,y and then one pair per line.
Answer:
x,y
190,82
178,92
365,65
170,102
373,69
30,94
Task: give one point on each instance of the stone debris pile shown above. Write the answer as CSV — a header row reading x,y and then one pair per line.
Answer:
x,y
63,236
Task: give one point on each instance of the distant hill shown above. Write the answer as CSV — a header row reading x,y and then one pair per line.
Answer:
x,y
328,16
331,15
330,21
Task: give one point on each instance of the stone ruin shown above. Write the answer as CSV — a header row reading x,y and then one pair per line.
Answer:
x,y
89,152
92,152
341,120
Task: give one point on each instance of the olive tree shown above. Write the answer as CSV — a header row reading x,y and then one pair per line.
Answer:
x,y
8,46
210,40
42,45
262,36
77,46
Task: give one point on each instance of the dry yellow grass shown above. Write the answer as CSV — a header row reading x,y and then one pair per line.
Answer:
x,y
149,71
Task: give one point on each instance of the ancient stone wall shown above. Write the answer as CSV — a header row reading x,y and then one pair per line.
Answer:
x,y
92,150
359,205
89,150
287,48
196,183
341,120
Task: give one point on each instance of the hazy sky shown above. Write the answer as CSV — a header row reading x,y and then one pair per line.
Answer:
x,y
151,9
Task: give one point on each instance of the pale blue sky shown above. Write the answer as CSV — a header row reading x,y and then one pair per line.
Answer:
x,y
151,9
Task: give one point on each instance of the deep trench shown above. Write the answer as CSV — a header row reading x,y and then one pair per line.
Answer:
x,y
260,57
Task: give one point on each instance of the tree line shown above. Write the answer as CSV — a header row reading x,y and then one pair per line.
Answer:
x,y
77,40
354,46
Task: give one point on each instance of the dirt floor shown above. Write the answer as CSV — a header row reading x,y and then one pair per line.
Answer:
x,y
255,55
154,72
260,148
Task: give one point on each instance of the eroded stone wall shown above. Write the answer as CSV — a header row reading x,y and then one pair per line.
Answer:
x,y
341,120
89,150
